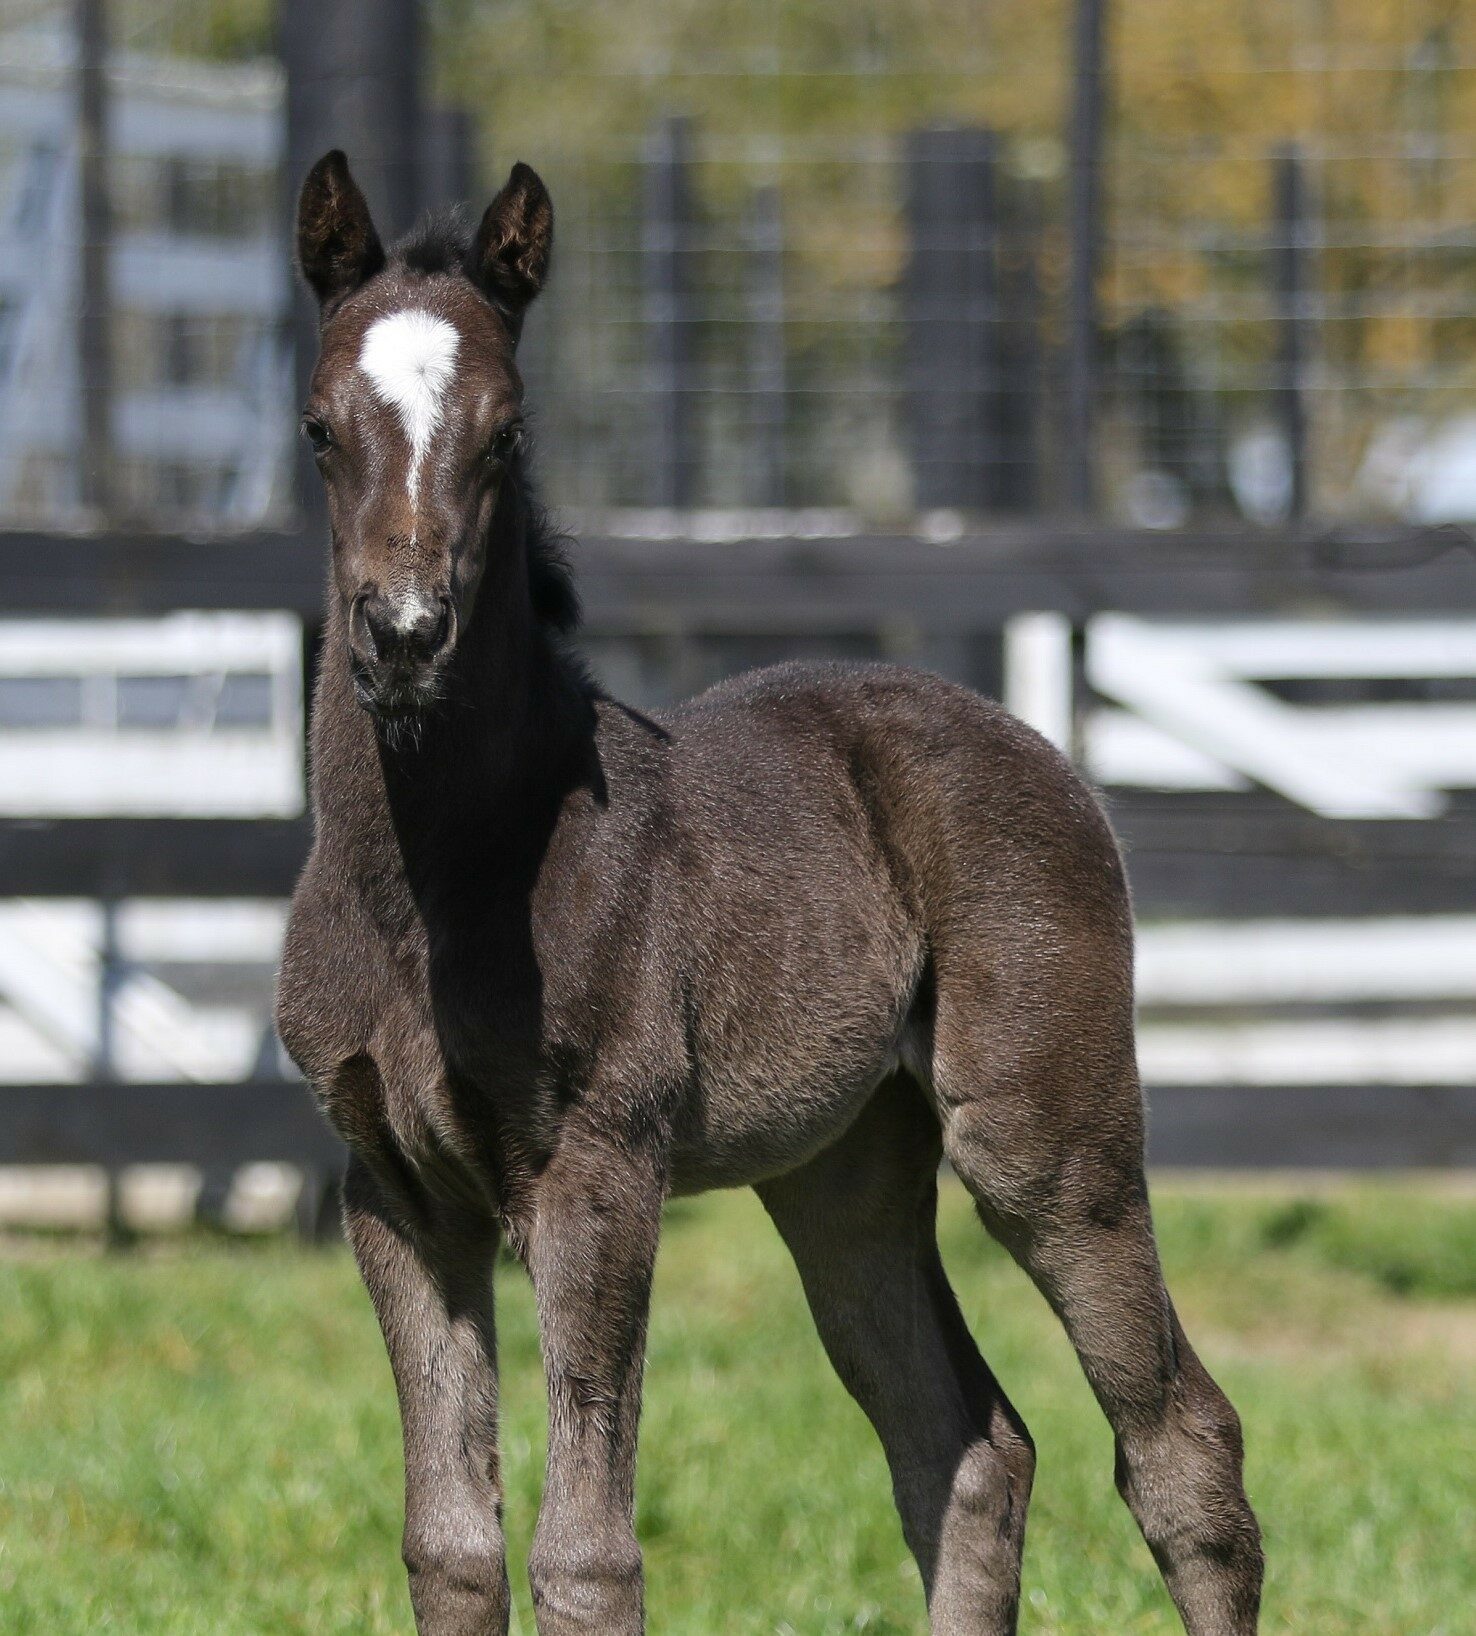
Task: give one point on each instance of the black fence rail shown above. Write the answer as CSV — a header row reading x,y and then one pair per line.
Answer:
x,y
730,590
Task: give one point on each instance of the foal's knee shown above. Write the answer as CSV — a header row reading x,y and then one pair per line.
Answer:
x,y
981,1497
993,1481
587,1585
458,1584
1017,1450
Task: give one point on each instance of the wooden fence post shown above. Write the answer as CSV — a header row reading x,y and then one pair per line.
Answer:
x,y
353,82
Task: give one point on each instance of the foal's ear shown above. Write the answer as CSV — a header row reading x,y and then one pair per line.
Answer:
x,y
337,247
509,256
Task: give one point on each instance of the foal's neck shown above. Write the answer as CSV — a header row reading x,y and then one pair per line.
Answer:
x,y
474,786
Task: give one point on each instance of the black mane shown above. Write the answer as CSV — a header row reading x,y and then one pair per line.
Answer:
x,y
550,579
438,243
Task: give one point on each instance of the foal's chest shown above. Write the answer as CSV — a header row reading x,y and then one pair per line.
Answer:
x,y
408,1062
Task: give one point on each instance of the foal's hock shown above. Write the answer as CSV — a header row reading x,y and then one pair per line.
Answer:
x,y
551,962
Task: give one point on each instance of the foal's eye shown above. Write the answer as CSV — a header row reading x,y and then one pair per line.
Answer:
x,y
317,434
505,444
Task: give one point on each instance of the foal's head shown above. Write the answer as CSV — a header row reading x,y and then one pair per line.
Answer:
x,y
414,415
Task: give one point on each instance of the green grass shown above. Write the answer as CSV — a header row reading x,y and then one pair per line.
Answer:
x,y
201,1438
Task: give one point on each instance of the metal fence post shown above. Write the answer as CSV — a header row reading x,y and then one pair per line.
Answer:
x,y
94,312
447,172
1289,231
110,974
667,254
1087,123
950,301
1018,353
767,360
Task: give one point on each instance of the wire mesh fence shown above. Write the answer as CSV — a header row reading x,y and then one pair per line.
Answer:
x,y
809,257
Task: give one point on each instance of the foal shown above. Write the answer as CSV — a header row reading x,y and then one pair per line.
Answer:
x,y
551,963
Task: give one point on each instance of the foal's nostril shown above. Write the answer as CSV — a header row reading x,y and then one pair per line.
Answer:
x,y
442,633
361,632
411,631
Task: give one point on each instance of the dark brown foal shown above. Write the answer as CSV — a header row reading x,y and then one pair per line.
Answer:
x,y
552,962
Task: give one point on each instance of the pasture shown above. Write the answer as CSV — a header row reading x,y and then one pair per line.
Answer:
x,y
202,1437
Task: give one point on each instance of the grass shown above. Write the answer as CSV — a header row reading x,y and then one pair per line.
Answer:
x,y
202,1437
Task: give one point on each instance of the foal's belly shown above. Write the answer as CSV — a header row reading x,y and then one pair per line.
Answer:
x,y
781,1074
745,1139
801,970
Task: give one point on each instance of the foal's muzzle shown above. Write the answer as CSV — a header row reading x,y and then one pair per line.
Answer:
x,y
397,649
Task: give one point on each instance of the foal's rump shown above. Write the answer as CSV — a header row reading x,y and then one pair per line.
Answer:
x,y
884,868
929,795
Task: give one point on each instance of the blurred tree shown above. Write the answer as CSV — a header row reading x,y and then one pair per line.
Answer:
x,y
1381,95
197,28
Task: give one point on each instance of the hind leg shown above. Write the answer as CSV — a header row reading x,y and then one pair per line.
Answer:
x,y
859,1221
1057,1172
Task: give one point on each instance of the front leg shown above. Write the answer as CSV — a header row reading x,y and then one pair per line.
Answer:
x,y
429,1274
590,1253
